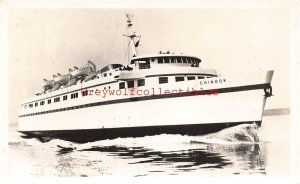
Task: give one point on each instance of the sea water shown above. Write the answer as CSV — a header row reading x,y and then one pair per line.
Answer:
x,y
239,150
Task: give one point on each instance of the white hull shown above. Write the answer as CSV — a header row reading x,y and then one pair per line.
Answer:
x,y
89,118
68,112
239,106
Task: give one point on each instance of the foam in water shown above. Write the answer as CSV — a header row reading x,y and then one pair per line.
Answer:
x,y
245,133
238,134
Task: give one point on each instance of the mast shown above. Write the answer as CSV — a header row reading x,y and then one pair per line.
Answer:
x,y
132,43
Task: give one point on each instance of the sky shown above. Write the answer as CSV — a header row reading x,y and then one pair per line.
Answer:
x,y
43,42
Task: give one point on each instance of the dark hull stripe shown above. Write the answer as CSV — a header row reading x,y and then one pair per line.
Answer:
x,y
173,74
89,135
154,97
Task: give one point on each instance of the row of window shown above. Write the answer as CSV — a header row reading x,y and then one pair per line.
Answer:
x,y
63,109
176,60
57,99
163,80
161,60
130,84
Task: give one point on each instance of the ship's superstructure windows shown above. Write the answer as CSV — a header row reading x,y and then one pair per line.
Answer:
x,y
163,80
201,77
191,78
172,60
56,99
189,60
30,105
121,85
49,101
179,60
160,60
166,60
36,104
74,95
130,84
144,64
105,75
65,97
141,82
42,102
179,78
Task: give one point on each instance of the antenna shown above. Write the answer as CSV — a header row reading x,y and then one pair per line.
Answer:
x,y
129,17
132,43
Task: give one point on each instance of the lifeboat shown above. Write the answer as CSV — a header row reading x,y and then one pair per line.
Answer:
x,y
47,84
61,79
56,87
80,72
83,72
71,82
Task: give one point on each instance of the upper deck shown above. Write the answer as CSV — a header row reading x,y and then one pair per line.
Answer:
x,y
161,60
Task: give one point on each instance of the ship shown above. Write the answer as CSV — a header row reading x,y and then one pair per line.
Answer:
x,y
163,93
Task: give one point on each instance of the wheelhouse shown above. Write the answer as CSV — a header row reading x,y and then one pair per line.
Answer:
x,y
178,60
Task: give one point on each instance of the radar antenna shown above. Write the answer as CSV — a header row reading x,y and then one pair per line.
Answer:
x,y
133,43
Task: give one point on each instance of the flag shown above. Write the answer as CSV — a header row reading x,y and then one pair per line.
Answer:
x,y
137,43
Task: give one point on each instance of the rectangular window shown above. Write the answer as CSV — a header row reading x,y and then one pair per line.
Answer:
x,y
141,82
36,104
74,95
163,80
189,60
121,85
105,75
160,61
191,78
65,97
49,101
167,60
30,105
130,84
84,93
179,78
56,99
42,102
179,60
201,77
172,60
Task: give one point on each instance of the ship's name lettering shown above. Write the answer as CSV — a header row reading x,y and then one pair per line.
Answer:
x,y
213,81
